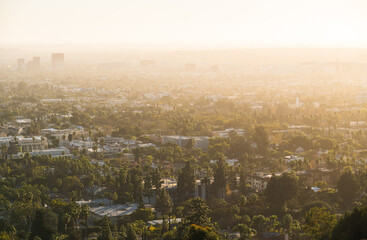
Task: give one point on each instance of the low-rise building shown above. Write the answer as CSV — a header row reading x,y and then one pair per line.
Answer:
x,y
54,152
25,144
225,133
199,142
259,181
292,158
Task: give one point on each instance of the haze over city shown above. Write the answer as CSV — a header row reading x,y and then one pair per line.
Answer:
x,y
183,120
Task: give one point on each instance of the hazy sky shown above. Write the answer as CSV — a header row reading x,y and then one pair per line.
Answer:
x,y
189,22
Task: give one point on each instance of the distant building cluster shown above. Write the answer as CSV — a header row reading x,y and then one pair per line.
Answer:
x,y
57,63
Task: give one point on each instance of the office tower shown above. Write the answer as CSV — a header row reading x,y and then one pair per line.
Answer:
x,y
57,60
36,63
21,64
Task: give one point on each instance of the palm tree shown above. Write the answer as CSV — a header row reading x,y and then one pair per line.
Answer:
x,y
84,213
75,213
67,219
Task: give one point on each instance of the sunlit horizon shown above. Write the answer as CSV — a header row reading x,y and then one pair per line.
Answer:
x,y
189,24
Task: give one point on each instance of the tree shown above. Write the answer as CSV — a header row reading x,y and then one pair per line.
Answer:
x,y
218,149
5,226
326,143
70,137
7,236
144,214
148,186
220,177
95,147
319,223
246,232
260,137
114,197
75,213
164,202
44,224
301,141
156,179
102,142
130,233
198,212
238,146
352,225
348,187
84,213
259,223
273,223
287,222
186,182
243,183
295,230
136,181
281,189
136,152
307,207
4,151
22,214
242,201
106,233
190,144
170,235
196,232
252,199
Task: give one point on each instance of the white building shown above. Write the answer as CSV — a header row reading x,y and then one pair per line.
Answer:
x,y
259,181
54,152
115,210
27,144
23,122
199,142
292,158
225,133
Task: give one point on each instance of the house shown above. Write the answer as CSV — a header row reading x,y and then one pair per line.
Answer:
x,y
357,124
10,131
292,158
230,162
259,181
321,174
225,133
114,211
103,207
22,122
54,152
160,221
202,188
199,142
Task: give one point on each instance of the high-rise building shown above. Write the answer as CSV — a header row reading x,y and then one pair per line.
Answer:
x,y
57,60
36,63
21,64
